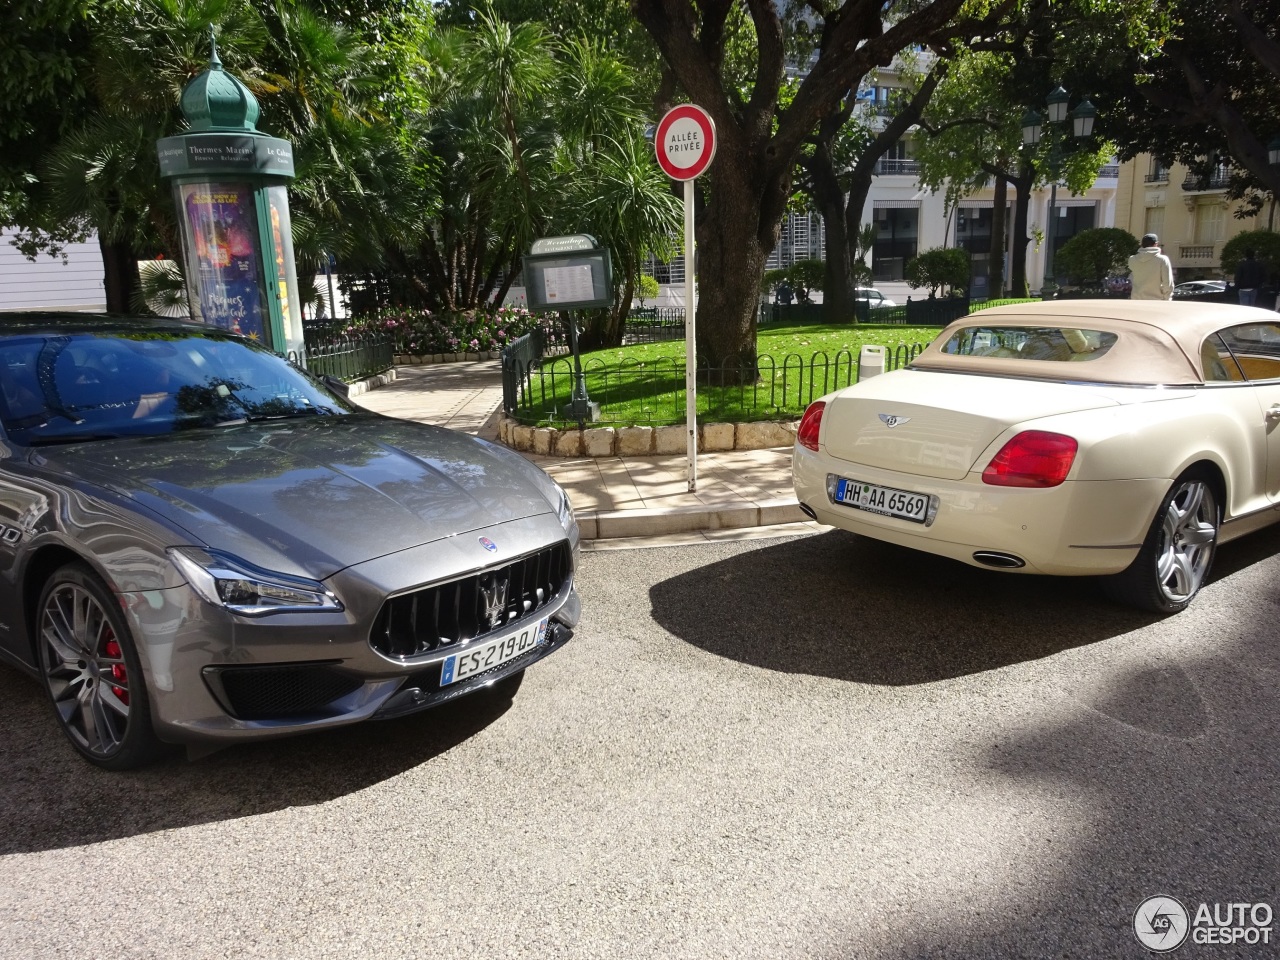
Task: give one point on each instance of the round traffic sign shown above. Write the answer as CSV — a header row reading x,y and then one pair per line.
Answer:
x,y
685,142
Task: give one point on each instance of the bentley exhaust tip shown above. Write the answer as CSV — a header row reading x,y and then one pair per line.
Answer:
x,y
808,511
994,558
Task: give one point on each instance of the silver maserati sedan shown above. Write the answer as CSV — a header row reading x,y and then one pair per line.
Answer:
x,y
200,544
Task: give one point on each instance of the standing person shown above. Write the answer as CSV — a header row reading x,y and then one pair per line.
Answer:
x,y
1249,277
1152,272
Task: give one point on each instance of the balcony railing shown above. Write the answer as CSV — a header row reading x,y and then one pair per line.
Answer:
x,y
1217,181
909,168
1157,176
1110,172
1196,252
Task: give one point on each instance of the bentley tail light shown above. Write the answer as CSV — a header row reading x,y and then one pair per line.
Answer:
x,y
1034,458
810,424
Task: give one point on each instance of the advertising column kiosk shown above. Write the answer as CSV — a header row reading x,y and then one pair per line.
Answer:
x,y
230,193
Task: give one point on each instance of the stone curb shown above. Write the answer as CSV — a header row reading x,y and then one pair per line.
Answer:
x,y
410,360
659,521
643,441
371,383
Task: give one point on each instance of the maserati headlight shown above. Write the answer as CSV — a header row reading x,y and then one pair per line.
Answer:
x,y
244,589
565,509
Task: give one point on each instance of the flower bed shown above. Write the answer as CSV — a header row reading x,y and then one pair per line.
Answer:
x,y
420,332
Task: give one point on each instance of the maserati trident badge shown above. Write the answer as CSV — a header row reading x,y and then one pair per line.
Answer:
x,y
891,420
494,592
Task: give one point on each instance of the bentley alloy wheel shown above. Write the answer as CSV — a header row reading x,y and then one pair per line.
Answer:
x,y
1176,556
1187,537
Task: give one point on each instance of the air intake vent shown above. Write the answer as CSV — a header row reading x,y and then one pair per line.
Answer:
x,y
419,622
268,693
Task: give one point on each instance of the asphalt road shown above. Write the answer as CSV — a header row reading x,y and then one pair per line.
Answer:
x,y
807,747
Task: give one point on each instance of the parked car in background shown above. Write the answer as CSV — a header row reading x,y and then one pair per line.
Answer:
x,y
873,297
1191,287
201,544
1117,438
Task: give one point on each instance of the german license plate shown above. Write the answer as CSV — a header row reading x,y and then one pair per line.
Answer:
x,y
885,501
492,654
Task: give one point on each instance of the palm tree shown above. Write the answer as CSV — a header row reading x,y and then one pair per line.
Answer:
x,y
315,88
628,203
510,67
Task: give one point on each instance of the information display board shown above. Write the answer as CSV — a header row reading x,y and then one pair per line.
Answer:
x,y
568,273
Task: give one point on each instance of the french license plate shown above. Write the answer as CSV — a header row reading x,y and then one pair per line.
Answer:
x,y
495,653
885,501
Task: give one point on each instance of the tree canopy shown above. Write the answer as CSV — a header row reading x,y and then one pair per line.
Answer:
x,y
748,187
1208,94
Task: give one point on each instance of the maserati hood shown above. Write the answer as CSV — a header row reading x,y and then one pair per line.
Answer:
x,y
312,496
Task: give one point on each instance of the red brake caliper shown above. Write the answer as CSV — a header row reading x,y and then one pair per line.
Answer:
x,y
112,649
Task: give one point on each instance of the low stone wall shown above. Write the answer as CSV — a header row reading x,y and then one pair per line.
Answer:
x,y
414,359
358,387
643,441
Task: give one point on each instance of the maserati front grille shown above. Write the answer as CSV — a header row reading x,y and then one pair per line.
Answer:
x,y
445,613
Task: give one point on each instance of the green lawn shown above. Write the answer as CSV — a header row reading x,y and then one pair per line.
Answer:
x,y
643,384
778,341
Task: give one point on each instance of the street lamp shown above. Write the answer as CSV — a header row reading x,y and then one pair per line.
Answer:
x,y
1057,101
1032,127
1082,118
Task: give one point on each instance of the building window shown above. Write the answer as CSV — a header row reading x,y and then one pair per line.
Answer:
x,y
1210,221
1158,171
973,233
1154,222
897,233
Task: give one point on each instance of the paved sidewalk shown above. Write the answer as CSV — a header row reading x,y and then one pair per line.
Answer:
x,y
619,501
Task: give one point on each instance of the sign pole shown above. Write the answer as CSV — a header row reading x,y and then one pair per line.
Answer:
x,y
690,340
685,144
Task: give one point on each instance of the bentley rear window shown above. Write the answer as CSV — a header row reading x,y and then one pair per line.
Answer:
x,y
1063,344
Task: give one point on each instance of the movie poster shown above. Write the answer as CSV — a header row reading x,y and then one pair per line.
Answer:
x,y
223,225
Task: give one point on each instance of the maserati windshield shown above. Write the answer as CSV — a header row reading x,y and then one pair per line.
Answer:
x,y
87,386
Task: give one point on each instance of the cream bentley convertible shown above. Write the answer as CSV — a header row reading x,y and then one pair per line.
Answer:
x,y
1090,437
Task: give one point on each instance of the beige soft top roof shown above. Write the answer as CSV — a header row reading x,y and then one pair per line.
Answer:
x,y
1158,341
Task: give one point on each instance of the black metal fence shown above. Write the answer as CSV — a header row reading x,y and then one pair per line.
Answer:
x,y
660,324
652,392
653,325
519,358
348,357
924,312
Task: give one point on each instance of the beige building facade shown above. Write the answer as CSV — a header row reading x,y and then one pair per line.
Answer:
x,y
1192,216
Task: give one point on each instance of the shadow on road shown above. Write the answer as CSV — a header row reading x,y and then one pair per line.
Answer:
x,y
53,799
851,608
1157,778
1176,765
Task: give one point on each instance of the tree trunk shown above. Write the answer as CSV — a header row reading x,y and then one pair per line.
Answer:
x,y
995,260
1018,255
845,218
741,228
751,177
837,292
120,275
